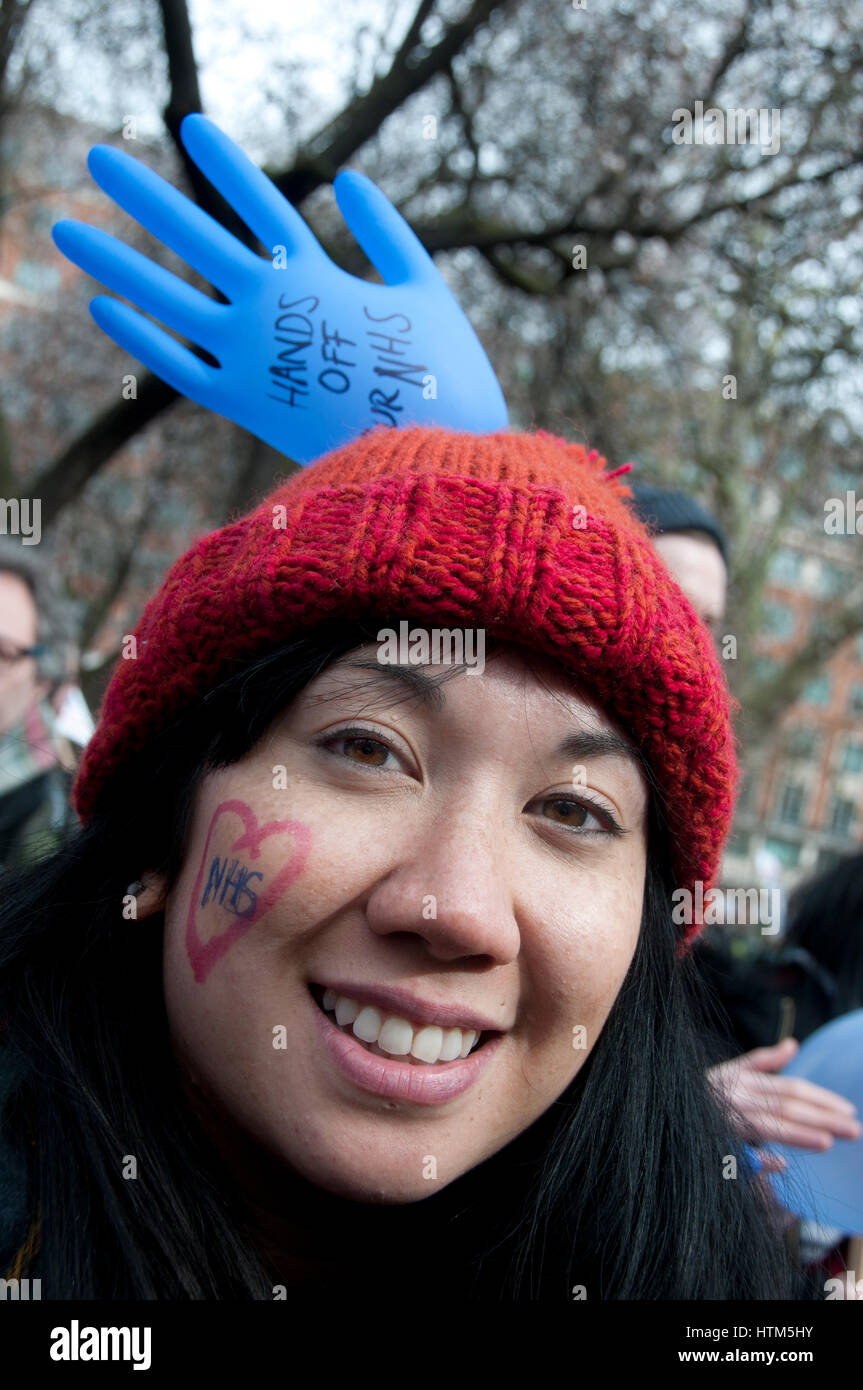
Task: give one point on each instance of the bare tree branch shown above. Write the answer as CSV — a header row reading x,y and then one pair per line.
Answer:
x,y
362,118
13,14
66,477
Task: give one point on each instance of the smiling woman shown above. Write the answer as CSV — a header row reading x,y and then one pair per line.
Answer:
x,y
400,973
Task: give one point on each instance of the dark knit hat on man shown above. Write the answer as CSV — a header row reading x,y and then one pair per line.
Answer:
x,y
665,511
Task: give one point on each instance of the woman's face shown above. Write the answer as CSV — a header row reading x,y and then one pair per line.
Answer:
x,y
456,849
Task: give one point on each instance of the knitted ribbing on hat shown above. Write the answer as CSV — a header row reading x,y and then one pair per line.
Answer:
x,y
523,535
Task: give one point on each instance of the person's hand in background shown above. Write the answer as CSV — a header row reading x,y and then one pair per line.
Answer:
x,y
769,1109
309,355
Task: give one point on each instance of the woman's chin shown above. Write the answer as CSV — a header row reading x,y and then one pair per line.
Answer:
x,y
378,1179
368,1189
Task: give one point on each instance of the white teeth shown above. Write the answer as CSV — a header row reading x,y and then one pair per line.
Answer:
x,y
396,1035
451,1048
346,1011
427,1044
367,1024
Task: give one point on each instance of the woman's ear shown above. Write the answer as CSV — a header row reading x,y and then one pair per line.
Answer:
x,y
149,893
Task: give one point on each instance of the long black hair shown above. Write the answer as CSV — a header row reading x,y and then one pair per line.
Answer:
x,y
629,1186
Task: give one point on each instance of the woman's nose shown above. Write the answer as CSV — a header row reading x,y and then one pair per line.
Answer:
x,y
450,887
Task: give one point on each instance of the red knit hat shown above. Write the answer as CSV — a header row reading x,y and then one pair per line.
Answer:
x,y
523,535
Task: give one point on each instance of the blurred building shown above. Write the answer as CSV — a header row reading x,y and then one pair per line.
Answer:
x,y
801,801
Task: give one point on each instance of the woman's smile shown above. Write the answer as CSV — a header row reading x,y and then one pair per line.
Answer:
x,y
404,1078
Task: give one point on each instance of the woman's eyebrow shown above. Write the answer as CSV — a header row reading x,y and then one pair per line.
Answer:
x,y
425,687
579,745
604,744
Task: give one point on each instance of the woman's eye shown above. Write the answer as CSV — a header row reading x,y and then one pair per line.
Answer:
x,y
361,748
576,815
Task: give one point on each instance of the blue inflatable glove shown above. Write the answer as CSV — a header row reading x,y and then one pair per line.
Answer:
x,y
827,1186
752,1158
309,355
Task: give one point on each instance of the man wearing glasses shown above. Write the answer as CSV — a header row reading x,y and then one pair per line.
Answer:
x,y
36,759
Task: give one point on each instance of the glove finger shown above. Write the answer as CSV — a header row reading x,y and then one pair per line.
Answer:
x,y
172,217
157,350
396,252
155,290
250,193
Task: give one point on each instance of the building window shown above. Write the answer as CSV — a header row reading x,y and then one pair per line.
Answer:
x,y
855,699
801,742
791,803
834,581
852,758
858,646
778,619
841,816
786,852
784,567
817,692
37,276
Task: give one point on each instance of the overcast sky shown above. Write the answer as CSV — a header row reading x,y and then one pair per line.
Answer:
x,y
234,59
242,52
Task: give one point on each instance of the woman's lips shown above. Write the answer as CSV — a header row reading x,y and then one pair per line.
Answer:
x,y
426,1084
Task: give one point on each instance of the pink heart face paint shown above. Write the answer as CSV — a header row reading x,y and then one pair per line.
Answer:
x,y
235,894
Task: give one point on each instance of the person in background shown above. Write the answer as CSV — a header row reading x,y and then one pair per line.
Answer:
x,y
821,948
771,1108
818,973
816,977
825,924
37,697
692,544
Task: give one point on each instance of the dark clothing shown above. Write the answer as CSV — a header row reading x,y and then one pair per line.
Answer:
x,y
759,1001
18,1218
34,818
